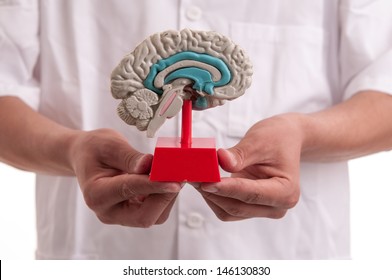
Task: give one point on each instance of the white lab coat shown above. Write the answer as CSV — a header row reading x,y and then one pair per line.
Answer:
x,y
307,55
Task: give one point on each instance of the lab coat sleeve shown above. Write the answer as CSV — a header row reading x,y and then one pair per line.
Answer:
x,y
366,46
19,50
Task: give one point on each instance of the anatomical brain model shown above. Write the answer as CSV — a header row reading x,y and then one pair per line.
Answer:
x,y
170,67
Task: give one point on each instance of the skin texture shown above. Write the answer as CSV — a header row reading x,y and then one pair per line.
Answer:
x,y
264,164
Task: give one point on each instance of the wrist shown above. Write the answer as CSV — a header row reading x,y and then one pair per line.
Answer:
x,y
68,141
57,150
305,127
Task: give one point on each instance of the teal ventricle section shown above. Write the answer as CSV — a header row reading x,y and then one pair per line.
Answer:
x,y
202,78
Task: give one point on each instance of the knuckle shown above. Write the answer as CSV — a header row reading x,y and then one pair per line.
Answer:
x,y
223,215
291,199
130,160
235,212
292,193
126,192
91,200
105,219
291,202
253,198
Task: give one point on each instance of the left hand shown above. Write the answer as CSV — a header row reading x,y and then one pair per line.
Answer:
x,y
265,172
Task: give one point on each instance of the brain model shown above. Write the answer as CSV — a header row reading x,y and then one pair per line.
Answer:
x,y
169,67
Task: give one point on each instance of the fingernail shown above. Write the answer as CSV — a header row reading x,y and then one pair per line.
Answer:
x,y
210,189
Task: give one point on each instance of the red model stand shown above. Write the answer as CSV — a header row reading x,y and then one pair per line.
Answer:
x,y
185,159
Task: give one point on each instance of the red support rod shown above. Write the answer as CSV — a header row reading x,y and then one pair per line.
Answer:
x,y
186,126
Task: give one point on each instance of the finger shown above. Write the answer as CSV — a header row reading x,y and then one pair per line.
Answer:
x,y
106,192
136,215
275,192
228,160
165,214
220,213
229,209
238,157
123,157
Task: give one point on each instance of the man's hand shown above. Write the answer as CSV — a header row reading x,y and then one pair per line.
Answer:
x,y
265,172
113,176
115,183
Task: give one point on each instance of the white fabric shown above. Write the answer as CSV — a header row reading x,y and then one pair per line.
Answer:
x,y
307,55
19,50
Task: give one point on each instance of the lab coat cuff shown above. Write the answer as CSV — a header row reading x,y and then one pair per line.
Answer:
x,y
29,95
375,77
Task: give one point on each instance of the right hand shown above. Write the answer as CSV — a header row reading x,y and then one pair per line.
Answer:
x,y
115,183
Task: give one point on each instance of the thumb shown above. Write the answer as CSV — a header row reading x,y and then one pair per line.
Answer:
x,y
142,164
239,156
130,160
231,160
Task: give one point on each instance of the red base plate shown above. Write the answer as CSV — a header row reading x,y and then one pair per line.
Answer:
x,y
176,163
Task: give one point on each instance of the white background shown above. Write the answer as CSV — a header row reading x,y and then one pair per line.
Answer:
x,y
371,208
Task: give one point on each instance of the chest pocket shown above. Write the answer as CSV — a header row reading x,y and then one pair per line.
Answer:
x,y
289,73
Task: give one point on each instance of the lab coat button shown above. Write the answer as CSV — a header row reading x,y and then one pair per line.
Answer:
x,y
194,13
195,220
